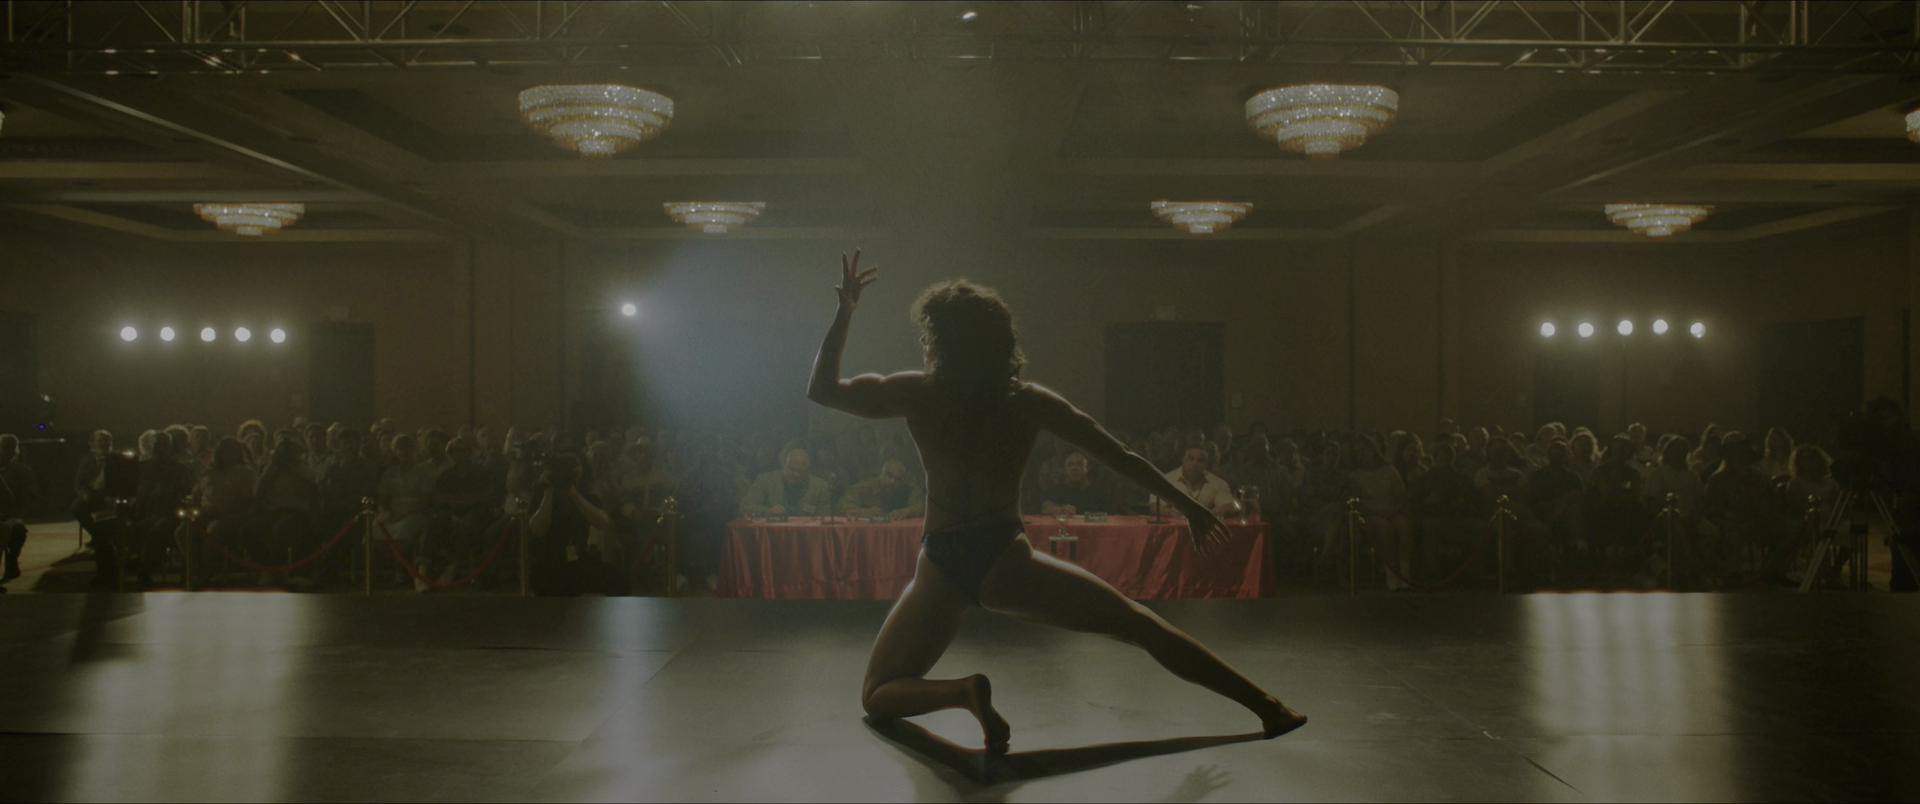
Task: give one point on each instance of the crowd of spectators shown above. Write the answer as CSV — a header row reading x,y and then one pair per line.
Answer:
x,y
591,499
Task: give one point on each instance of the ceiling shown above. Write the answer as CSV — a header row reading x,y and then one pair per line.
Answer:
x,y
1057,120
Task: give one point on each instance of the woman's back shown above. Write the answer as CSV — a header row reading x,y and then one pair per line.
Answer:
x,y
975,453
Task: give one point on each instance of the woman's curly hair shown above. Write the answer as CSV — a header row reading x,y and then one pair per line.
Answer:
x,y
973,344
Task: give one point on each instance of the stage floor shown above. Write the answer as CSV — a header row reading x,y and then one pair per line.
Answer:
x,y
236,696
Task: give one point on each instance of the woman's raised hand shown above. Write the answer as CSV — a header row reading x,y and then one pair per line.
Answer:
x,y
852,280
1206,528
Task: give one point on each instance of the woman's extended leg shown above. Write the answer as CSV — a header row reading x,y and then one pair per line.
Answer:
x,y
1042,589
916,633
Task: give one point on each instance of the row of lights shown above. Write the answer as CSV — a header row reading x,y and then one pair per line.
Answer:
x,y
1625,327
130,334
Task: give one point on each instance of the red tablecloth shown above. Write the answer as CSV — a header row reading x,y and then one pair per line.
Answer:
x,y
805,559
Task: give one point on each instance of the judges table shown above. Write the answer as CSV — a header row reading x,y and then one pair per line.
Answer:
x,y
805,558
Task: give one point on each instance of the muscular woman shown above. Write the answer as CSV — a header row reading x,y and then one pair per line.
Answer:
x,y
975,423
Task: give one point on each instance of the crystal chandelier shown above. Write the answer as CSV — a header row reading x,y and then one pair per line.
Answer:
x,y
1200,217
1913,125
1658,220
598,120
715,217
1321,120
251,220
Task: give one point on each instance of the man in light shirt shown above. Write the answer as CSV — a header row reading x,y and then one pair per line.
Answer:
x,y
1205,487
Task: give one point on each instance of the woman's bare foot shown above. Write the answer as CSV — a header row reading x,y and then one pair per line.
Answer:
x,y
1278,719
992,725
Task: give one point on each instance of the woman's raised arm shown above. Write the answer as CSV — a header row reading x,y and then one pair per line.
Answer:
x,y
868,395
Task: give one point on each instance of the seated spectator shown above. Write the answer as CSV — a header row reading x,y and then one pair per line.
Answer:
x,y
225,495
1620,516
1705,458
1323,498
1536,452
405,490
888,495
200,448
1736,504
560,561
1449,510
1645,455
90,483
1470,454
1673,477
1269,480
1812,477
463,503
1078,493
288,496
350,479
1409,457
19,492
1777,462
1557,496
1203,486
1501,478
1583,455
150,525
1383,504
791,491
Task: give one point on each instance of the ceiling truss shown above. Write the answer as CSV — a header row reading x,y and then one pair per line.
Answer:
x,y
152,37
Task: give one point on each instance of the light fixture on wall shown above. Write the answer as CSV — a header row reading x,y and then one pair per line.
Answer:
x,y
1586,330
249,219
1659,326
242,334
207,334
629,309
166,334
278,335
597,120
1913,125
1698,329
1625,327
1321,120
715,217
1201,217
128,334
1657,220
1547,330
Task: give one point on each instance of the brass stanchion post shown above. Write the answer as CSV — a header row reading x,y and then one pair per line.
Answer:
x,y
366,553
1353,549
672,513
1500,538
189,548
520,522
1673,541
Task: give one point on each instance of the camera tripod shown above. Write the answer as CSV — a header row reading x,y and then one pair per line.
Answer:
x,y
1856,538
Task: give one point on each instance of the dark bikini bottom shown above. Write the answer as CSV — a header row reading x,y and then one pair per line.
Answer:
x,y
964,553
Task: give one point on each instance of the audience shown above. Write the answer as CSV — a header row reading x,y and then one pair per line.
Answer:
x,y
591,499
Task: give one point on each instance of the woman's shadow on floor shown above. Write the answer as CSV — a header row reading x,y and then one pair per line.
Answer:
x,y
982,768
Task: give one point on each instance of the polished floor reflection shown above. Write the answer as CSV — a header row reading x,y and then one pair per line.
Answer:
x,y
1545,697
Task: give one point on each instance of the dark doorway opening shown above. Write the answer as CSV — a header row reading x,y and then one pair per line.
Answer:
x,y
22,410
1165,373
1566,383
1810,371
340,374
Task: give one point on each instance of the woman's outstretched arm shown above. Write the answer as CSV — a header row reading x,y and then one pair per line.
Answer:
x,y
868,395
1061,418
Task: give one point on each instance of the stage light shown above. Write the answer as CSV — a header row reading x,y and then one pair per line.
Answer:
x,y
1659,326
242,334
128,334
1547,330
166,334
629,310
1626,327
278,335
970,15
1586,330
1698,329
207,334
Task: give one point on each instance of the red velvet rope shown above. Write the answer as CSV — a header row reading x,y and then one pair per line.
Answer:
x,y
470,577
646,550
1379,555
242,560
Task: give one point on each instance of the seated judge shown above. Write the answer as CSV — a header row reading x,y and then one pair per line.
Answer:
x,y
1076,493
1205,487
792,491
889,494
